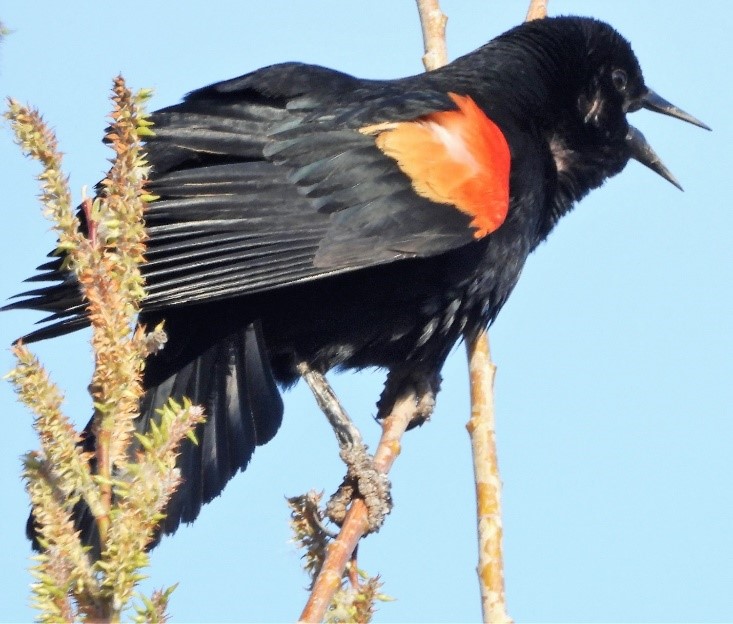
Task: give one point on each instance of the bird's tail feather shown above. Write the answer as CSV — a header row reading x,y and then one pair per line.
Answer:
x,y
233,381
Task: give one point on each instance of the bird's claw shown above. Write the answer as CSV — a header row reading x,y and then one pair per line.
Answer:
x,y
365,481
423,386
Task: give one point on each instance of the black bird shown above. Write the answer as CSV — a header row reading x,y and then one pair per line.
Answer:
x,y
306,215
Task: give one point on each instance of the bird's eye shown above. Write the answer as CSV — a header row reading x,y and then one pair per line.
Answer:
x,y
620,79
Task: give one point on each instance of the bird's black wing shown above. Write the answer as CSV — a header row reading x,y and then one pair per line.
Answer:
x,y
268,180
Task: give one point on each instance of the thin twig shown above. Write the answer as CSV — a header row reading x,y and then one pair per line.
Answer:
x,y
356,521
433,22
481,429
537,10
481,425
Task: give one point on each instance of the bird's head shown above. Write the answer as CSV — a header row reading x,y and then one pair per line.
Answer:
x,y
586,80
611,85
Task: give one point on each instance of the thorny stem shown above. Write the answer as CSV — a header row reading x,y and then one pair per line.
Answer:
x,y
105,488
70,583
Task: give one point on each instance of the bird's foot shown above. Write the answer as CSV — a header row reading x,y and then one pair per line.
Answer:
x,y
365,481
400,383
362,477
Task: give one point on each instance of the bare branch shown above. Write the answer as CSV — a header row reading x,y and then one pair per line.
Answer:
x,y
356,522
433,22
537,10
481,429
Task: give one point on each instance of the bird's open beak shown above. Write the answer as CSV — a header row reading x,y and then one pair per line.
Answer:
x,y
653,102
638,146
643,152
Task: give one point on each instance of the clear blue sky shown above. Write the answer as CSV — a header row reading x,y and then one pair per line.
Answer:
x,y
615,417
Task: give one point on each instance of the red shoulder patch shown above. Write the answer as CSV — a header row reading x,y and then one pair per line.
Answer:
x,y
457,157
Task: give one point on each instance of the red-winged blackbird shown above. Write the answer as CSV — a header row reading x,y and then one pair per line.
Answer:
x,y
309,216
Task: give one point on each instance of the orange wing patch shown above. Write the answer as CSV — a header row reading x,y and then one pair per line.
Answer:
x,y
457,157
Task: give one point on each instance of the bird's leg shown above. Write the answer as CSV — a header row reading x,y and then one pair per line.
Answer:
x,y
347,434
422,385
362,478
